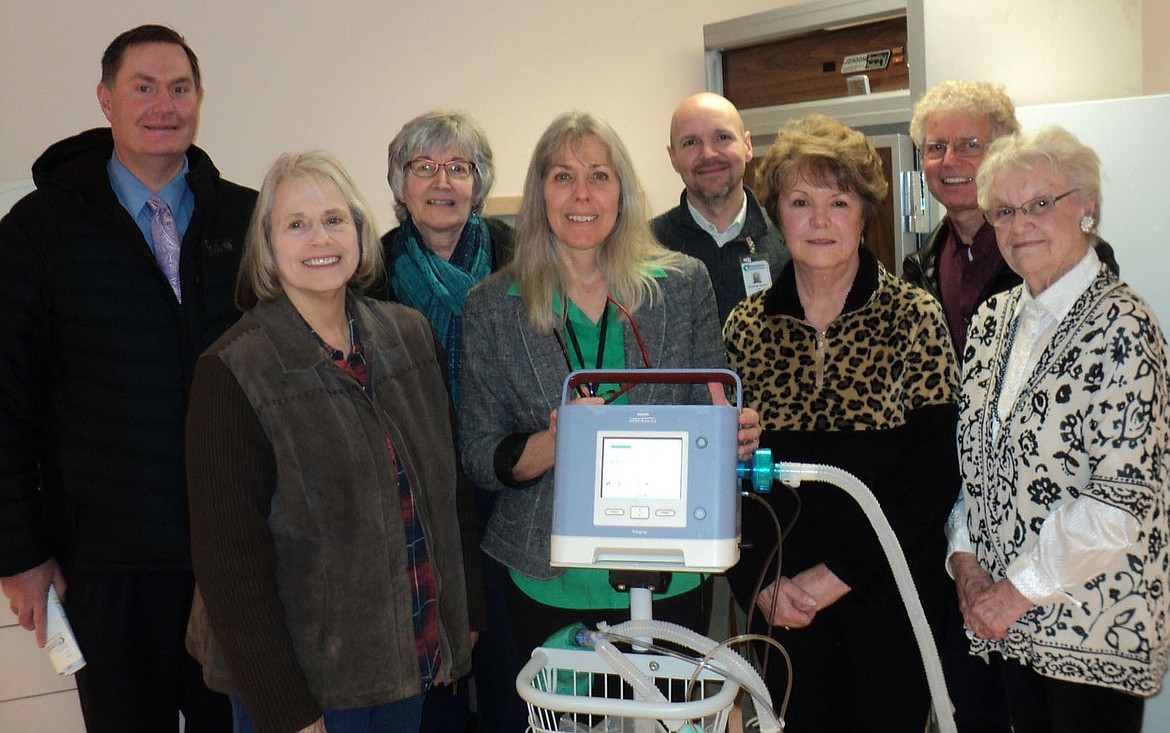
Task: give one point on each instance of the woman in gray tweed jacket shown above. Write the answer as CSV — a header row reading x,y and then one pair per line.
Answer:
x,y
586,279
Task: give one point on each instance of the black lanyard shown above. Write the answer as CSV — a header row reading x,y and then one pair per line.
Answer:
x,y
604,325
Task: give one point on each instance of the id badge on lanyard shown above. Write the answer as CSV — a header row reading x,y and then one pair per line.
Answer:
x,y
757,275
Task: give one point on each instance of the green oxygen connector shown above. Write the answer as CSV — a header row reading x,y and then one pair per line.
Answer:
x,y
761,471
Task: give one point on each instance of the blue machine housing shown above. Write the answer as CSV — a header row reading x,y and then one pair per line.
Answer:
x,y
647,487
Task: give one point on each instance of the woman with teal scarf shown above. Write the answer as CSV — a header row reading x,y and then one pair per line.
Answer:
x,y
440,171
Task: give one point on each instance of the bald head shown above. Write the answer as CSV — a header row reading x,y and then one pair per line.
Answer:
x,y
704,105
710,149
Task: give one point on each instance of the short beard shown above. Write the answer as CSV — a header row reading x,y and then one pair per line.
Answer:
x,y
713,200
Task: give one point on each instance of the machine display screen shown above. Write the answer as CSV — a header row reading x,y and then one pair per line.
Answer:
x,y
649,468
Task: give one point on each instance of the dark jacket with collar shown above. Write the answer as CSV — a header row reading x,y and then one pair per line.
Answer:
x,y
677,230
96,356
297,531
921,267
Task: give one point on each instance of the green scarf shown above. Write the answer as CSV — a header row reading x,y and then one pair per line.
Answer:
x,y
437,287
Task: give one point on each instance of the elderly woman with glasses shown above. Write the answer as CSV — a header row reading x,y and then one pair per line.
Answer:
x,y
1059,542
440,171
959,263
589,287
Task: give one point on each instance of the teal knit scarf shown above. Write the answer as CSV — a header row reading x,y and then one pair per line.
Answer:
x,y
437,287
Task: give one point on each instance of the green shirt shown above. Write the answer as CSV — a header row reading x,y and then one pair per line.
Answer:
x,y
585,587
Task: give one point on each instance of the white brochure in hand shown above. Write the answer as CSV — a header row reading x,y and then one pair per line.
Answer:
x,y
59,640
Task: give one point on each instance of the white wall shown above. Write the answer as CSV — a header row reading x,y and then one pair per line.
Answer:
x,y
1155,49
1041,50
32,697
293,74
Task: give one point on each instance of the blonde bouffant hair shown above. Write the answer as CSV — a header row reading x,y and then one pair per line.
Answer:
x,y
826,152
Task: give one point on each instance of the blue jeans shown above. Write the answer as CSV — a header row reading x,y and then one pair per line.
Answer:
x,y
393,717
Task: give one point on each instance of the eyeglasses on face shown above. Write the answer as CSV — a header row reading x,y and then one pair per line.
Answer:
x,y
963,147
1037,208
426,168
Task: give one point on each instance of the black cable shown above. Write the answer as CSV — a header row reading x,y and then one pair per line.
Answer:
x,y
777,555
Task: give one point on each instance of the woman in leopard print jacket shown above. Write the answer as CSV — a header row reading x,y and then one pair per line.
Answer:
x,y
852,367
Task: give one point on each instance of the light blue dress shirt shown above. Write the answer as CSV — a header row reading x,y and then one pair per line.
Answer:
x,y
133,193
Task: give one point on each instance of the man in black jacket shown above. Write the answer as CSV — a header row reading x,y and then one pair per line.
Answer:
x,y
98,338
717,219
960,263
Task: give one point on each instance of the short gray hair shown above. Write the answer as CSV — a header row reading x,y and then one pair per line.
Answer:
x,y
436,130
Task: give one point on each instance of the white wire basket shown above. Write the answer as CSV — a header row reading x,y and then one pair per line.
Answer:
x,y
576,691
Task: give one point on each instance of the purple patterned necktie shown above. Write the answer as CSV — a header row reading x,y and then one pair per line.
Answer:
x,y
166,241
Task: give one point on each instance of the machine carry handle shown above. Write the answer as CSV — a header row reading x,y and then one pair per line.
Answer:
x,y
652,376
